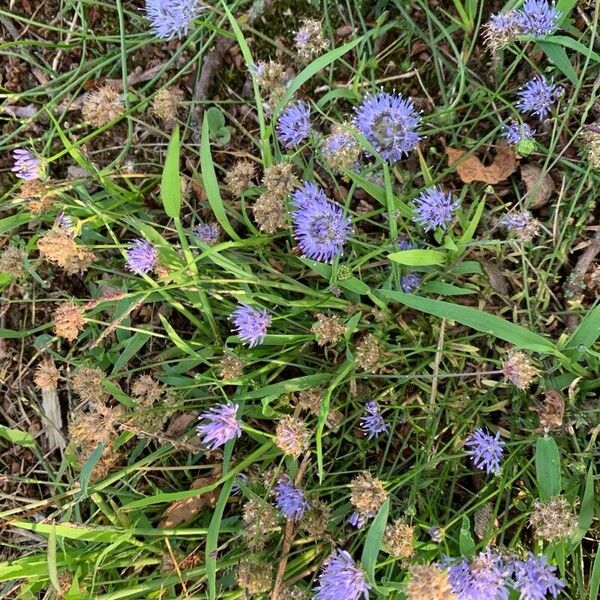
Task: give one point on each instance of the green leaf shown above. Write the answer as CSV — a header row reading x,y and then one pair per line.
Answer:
x,y
216,120
212,538
469,232
565,7
14,221
595,578
587,332
466,541
16,436
476,319
558,56
547,468
170,184
211,185
567,42
88,467
418,258
444,289
373,541
51,553
586,512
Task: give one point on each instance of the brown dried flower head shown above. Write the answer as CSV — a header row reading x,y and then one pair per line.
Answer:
x,y
38,194
87,384
59,248
280,180
68,321
166,102
315,519
260,519
310,400
367,494
231,367
12,261
328,329
292,436
270,213
554,520
369,354
240,177
272,79
429,582
345,154
310,40
46,375
398,539
146,390
551,410
254,576
518,370
102,106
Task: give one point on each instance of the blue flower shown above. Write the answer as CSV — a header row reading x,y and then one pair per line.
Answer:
x,y
410,282
484,578
373,423
172,18
319,225
141,257
389,123
515,132
290,500
535,579
434,209
27,165
357,519
222,425
538,96
341,579
208,233
538,18
250,324
486,450
293,125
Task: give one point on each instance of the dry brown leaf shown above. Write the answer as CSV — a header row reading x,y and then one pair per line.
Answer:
x,y
184,510
539,187
496,278
550,410
472,169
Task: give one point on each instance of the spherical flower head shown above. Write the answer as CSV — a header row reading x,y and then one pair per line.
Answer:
x,y
429,582
341,579
292,436
250,324
340,149
319,225
309,40
389,123
293,125
484,578
538,18
367,494
357,519
171,18
27,165
209,233
221,425
398,539
434,209
372,423
141,257
410,282
486,450
290,500
404,243
517,369
535,579
538,96
501,29
515,132
554,520
521,223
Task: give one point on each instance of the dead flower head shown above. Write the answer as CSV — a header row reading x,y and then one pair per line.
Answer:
x,y
68,321
240,177
58,247
231,367
102,106
554,520
270,213
292,436
429,582
46,375
518,370
398,539
367,494
328,329
12,261
369,353
279,179
166,102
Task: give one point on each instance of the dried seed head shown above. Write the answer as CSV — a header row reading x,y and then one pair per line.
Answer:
x,y
59,248
12,261
292,436
550,410
340,148
310,400
269,213
294,593
369,354
240,177
328,329
146,390
254,576
554,520
68,321
260,519
166,102
272,79
38,194
429,582
367,494
315,519
231,367
46,375
310,40
280,180
102,106
518,370
483,520
398,539
87,384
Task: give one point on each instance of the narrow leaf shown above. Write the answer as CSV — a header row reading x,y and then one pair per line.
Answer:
x,y
16,436
558,56
373,541
547,467
170,186
418,258
466,542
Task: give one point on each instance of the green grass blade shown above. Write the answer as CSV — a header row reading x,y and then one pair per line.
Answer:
x,y
170,185
418,258
373,541
547,468
587,332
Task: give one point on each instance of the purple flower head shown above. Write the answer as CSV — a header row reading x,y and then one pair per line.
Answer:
x,y
434,209
302,37
504,22
535,579
290,500
319,225
484,578
240,479
521,223
27,165
357,519
372,423
141,257
389,122
341,579
250,324
221,425
293,125
538,18
515,132
208,233
486,450
538,96
404,243
171,18
65,223
410,282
